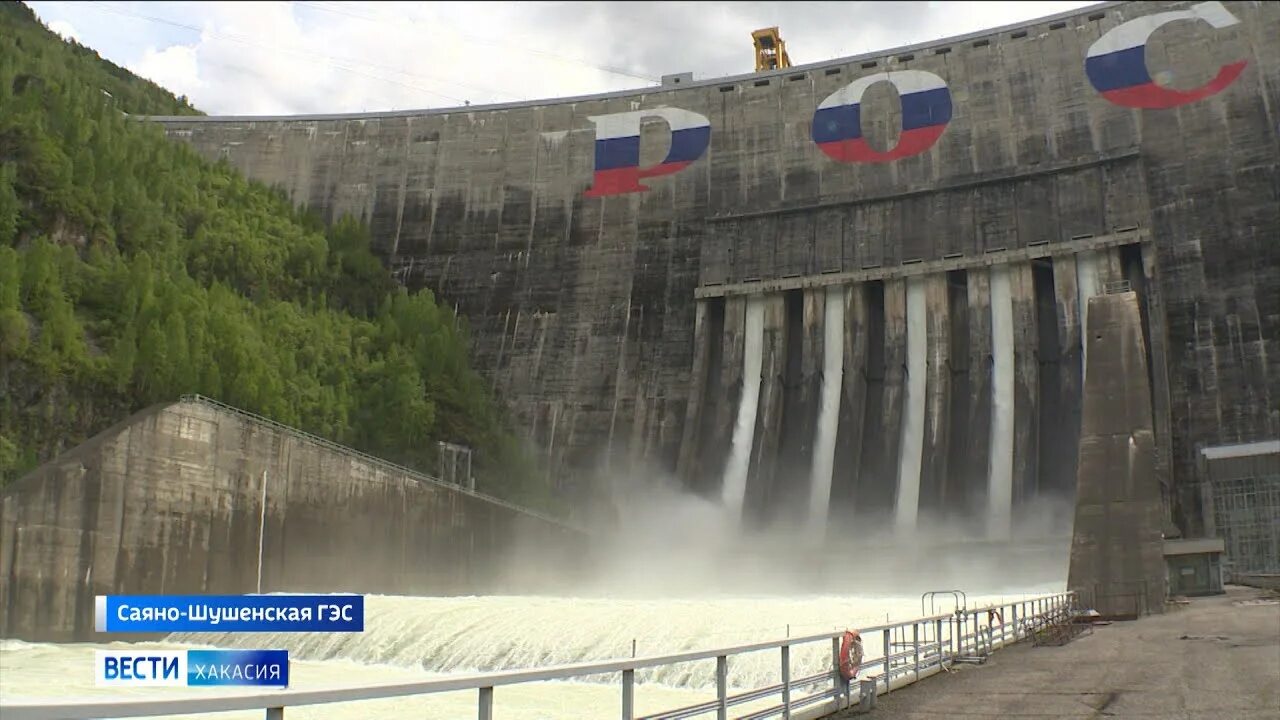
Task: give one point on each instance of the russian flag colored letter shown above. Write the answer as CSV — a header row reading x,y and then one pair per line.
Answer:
x,y
617,162
926,110
1117,63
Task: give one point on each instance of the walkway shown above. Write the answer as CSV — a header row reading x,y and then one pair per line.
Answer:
x,y
1217,659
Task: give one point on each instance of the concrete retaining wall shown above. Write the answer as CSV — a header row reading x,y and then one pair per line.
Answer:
x,y
1258,580
170,501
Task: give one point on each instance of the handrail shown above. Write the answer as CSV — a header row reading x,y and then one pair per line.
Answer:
x,y
418,475
961,599
984,641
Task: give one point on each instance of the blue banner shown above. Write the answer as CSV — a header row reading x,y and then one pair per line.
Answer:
x,y
229,613
207,668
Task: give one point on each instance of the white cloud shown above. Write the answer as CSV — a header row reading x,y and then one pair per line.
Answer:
x,y
175,68
306,57
65,30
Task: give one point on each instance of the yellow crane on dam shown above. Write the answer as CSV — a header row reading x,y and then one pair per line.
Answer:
x,y
771,50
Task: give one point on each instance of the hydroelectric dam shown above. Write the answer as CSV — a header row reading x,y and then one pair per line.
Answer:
x,y
857,287
1011,287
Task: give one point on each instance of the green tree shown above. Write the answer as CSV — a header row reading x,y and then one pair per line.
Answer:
x,y
15,332
8,204
132,270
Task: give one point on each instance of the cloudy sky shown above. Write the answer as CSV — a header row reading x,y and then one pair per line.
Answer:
x,y
303,57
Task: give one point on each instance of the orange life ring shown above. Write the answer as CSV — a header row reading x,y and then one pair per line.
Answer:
x,y
850,654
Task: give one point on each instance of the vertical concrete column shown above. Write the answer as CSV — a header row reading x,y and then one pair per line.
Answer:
x,y
911,449
773,360
848,450
1088,284
959,492
934,481
732,365
750,352
895,367
1026,389
978,427
1066,432
800,405
1110,268
833,346
1138,268
1000,470
704,446
1157,332
694,408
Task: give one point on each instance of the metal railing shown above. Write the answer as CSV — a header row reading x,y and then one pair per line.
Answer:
x,y
909,651
370,459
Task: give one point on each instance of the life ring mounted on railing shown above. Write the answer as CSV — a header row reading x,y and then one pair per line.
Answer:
x,y
850,654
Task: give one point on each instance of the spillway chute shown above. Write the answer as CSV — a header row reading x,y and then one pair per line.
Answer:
x,y
735,476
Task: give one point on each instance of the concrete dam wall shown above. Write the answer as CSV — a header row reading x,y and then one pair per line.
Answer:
x,y
629,263
190,498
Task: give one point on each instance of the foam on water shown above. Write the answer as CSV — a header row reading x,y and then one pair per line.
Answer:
x,y
408,638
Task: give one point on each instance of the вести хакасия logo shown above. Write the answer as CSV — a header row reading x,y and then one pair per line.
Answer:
x,y
191,668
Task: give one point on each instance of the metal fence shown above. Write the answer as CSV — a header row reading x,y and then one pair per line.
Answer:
x,y
1245,512
904,652
1240,487
370,459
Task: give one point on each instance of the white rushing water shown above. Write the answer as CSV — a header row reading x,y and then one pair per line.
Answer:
x,y
824,446
1000,469
744,430
912,447
418,638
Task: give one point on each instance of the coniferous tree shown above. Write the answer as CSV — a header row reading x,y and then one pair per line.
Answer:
x,y
8,204
133,271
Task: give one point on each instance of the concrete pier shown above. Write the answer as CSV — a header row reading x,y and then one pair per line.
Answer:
x,y
1117,564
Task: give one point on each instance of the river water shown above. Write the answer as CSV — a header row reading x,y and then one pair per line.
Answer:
x,y
410,638
675,573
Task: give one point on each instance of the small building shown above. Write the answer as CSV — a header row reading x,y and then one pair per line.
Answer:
x,y
1194,566
1240,501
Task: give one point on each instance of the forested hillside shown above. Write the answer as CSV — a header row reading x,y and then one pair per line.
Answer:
x,y
132,271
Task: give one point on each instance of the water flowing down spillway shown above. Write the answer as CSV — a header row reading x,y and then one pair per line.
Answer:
x,y
1086,287
421,638
824,447
1000,473
735,475
908,497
